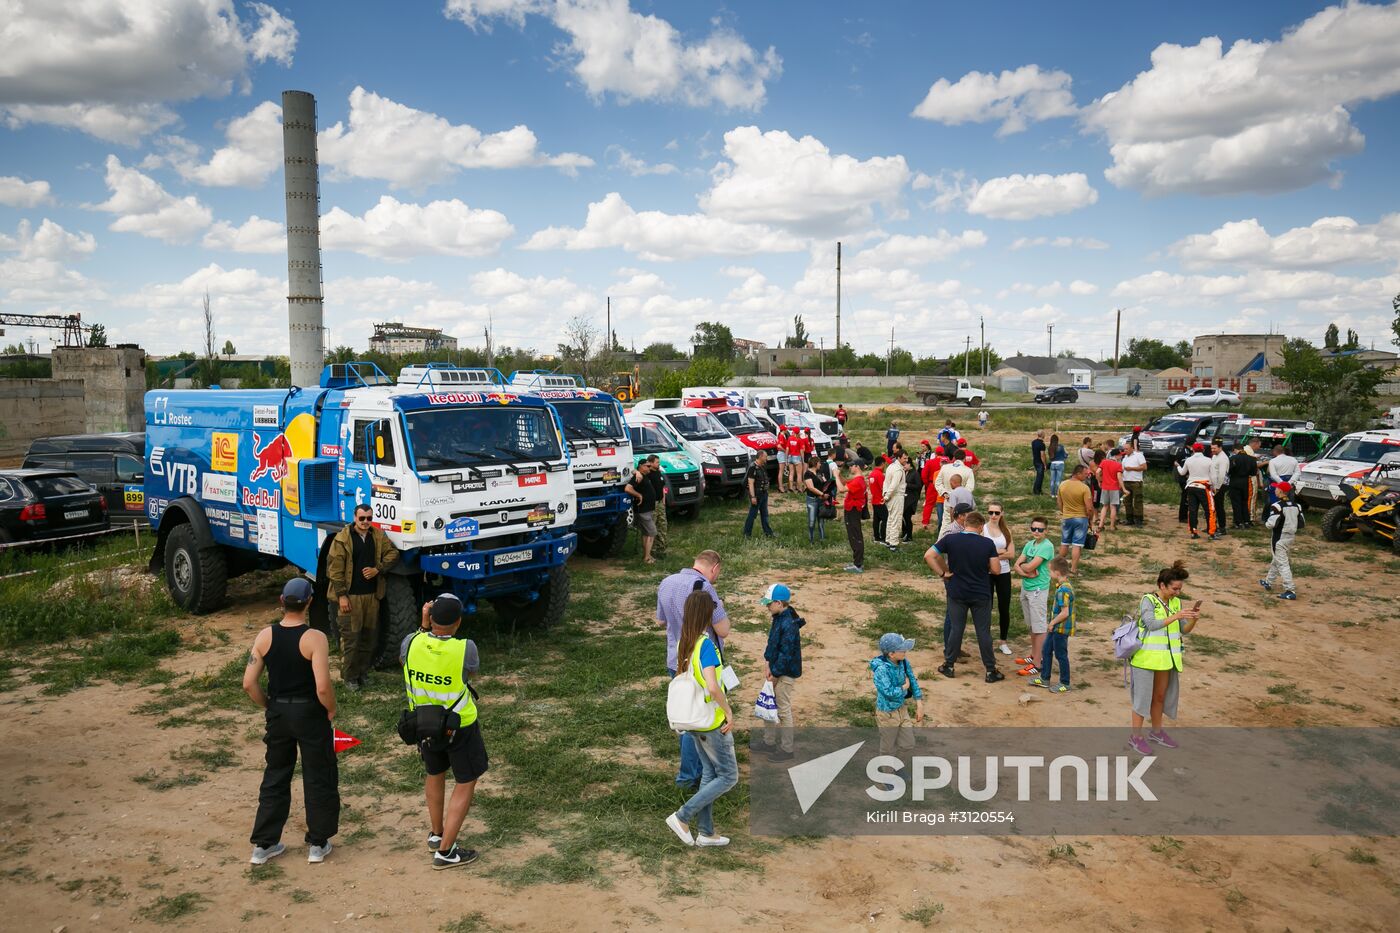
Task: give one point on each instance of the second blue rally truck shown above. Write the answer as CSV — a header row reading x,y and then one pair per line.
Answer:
x,y
470,478
601,452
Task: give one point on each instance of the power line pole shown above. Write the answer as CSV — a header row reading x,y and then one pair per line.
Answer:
x,y
1117,329
838,294
982,325
889,357
490,342
967,355
609,334
822,355
1050,329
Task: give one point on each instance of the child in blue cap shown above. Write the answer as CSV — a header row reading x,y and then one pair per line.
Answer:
x,y
895,686
782,664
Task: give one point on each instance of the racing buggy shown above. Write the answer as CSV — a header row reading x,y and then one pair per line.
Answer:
x,y
1371,505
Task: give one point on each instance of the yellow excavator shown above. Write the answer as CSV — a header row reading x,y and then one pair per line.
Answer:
x,y
624,386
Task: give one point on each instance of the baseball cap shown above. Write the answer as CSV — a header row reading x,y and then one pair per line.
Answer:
x,y
924,442
1283,487
298,588
776,593
890,643
962,508
446,610
962,442
1198,446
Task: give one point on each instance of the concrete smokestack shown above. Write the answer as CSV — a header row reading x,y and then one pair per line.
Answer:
x,y
304,302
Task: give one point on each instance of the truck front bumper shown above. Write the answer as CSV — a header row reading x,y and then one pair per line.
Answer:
x,y
599,508
492,564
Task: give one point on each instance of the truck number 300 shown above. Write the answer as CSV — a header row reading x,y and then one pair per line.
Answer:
x,y
386,511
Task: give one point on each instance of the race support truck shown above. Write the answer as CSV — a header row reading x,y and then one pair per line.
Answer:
x,y
723,460
787,407
469,479
602,456
685,487
741,423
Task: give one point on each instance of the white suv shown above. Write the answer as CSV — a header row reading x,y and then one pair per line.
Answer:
x,y
1209,398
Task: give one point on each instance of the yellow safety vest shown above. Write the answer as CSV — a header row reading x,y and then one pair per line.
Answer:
x,y
1161,650
700,679
432,675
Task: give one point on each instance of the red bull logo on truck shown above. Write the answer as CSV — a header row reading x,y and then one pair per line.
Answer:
x,y
270,458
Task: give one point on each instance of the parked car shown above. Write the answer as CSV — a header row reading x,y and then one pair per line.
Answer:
x,y
1163,438
1209,398
1319,483
1056,394
43,504
114,463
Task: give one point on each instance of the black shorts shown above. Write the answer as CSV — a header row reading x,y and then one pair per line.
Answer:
x,y
466,753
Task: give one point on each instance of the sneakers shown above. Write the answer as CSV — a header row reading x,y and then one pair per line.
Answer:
x,y
1025,662
317,854
1037,681
262,853
1059,688
1138,744
434,841
352,685
1162,739
994,676
946,670
704,840
1266,584
1029,671
1005,648
453,857
681,830
1288,595
852,568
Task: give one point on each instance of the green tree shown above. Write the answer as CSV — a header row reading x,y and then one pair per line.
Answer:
x,y
799,338
12,349
1336,392
702,371
1146,353
713,341
1395,323
842,357
661,351
1353,340
973,359
901,362
229,349
1332,338
97,336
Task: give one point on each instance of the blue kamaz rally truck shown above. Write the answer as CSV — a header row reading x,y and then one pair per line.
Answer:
x,y
469,478
601,450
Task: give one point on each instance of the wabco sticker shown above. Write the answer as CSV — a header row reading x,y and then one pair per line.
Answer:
x,y
264,416
219,487
539,516
470,485
223,452
386,492
134,497
460,528
531,479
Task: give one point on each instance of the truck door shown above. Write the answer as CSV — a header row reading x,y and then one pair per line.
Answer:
x,y
374,474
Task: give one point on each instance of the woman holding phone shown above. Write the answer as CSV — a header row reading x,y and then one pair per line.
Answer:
x,y
1155,669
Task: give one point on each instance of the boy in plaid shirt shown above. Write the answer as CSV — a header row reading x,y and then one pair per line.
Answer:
x,y
1061,628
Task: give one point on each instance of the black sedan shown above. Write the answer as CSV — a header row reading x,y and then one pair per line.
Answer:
x,y
46,504
1056,394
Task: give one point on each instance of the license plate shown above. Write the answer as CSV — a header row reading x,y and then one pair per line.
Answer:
x,y
593,504
738,471
514,557
685,490
81,513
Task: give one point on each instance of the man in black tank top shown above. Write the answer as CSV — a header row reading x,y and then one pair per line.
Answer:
x,y
300,704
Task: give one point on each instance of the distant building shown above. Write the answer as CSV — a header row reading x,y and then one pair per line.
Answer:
x,y
1214,356
394,337
1383,360
1043,367
748,348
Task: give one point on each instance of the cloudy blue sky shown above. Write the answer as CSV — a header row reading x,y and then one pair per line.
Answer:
x,y
1202,166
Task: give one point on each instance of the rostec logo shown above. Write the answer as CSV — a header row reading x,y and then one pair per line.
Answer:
x,y
261,498
271,459
223,456
183,478
160,413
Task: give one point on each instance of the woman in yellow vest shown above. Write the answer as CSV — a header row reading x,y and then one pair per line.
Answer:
x,y
1156,666
699,651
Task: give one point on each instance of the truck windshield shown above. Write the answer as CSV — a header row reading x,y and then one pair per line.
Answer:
x,y
794,403
650,439
738,420
1358,449
1233,430
697,425
586,420
450,438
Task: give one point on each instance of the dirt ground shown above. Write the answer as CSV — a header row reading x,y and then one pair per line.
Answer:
x,y
88,848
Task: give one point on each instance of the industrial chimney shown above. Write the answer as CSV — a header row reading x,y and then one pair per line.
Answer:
x,y
304,308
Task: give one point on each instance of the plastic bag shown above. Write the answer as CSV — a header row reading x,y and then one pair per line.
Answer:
x,y
766,706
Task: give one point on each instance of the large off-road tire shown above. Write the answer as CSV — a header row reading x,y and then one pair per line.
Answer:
x,y
623,396
971,402
928,399
606,543
542,613
1337,524
196,576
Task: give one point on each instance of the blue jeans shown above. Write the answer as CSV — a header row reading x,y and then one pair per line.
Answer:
x,y
1073,531
1057,475
690,759
816,527
720,772
758,509
1058,644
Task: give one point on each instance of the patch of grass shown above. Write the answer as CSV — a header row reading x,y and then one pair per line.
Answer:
x,y
170,909
1290,693
474,922
1235,900
1239,667
1212,647
268,871
1062,852
924,914
1167,846
164,782
121,656
301,896
1361,857
211,759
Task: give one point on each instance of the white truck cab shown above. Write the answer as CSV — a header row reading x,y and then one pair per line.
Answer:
x,y
723,458
787,407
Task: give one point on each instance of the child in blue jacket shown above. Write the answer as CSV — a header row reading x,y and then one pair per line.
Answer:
x,y
895,686
782,664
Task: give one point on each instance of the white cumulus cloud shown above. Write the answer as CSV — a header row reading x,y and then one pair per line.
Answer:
x,y
144,207
50,241
16,192
637,166
411,148
1015,98
634,56
772,178
1262,116
396,230
903,250
109,67
255,235
254,151
1081,287
1328,241
658,236
1059,242
1021,197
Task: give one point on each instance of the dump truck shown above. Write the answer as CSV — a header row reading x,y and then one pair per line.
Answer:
x,y
470,479
935,390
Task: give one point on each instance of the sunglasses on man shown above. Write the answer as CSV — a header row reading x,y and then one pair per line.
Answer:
x,y
1037,531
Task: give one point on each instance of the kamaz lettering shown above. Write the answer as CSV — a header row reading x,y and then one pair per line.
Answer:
x,y
261,498
495,502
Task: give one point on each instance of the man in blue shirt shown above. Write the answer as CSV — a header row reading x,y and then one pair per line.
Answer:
x,y
966,561
670,612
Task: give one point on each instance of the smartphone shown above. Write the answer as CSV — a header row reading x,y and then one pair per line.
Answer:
x,y
1197,607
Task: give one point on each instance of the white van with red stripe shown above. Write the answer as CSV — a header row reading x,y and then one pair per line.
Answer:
x,y
1320,482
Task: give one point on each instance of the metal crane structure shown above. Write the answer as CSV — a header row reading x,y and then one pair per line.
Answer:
x,y
71,324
